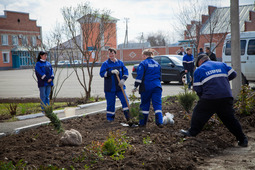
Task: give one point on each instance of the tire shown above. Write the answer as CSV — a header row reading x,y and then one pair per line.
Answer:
x,y
183,78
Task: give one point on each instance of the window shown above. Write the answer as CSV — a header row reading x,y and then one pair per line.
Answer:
x,y
4,39
6,57
24,40
251,47
228,47
15,40
33,41
157,59
165,61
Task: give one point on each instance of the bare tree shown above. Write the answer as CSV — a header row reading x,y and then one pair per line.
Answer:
x,y
156,39
189,22
55,45
214,30
53,41
96,28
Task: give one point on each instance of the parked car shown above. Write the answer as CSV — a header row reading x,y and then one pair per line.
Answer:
x,y
77,61
171,68
53,63
64,62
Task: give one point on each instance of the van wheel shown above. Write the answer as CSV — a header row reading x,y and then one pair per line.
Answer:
x,y
244,80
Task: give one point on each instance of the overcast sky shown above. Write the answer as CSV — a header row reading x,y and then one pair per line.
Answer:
x,y
145,16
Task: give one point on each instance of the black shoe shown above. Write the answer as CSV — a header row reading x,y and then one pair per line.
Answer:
x,y
160,125
185,133
141,125
243,143
109,121
131,124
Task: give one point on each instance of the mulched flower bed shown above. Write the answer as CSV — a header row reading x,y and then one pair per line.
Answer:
x,y
167,150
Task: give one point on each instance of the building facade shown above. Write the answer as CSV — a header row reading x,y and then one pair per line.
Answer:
x,y
17,34
213,27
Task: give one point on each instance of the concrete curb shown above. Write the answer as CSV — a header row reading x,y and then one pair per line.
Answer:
x,y
31,116
91,104
24,128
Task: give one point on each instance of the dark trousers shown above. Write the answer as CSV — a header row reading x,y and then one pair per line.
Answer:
x,y
205,109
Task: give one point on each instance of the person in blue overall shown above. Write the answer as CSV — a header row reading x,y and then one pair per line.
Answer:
x,y
112,88
149,81
188,64
45,76
211,83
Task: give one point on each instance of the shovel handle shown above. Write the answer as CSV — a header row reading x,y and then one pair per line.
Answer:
x,y
123,91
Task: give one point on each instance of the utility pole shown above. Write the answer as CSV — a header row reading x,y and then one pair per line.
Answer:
x,y
126,34
235,46
141,38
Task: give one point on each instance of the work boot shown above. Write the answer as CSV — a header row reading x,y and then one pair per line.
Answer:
x,y
159,119
110,117
127,115
243,143
185,133
143,120
160,125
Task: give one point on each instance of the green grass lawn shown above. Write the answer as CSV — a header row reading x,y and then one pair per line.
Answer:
x,y
28,108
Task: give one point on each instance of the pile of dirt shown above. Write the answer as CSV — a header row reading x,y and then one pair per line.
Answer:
x,y
168,150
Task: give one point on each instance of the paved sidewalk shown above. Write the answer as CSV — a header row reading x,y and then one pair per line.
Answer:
x,y
31,121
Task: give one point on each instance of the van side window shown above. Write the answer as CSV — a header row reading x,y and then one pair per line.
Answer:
x,y
251,47
228,47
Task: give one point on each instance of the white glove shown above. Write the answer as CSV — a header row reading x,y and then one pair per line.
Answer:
x,y
134,89
121,83
115,72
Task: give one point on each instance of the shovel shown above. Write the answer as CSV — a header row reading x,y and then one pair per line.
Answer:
x,y
124,124
123,91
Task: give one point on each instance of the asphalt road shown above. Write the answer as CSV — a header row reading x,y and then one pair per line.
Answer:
x,y
21,84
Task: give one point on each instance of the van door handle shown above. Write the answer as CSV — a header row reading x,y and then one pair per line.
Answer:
x,y
247,57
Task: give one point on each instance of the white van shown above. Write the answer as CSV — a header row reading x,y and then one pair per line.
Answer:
x,y
247,43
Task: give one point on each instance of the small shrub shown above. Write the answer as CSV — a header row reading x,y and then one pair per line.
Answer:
x,y
116,145
147,140
10,165
69,103
94,151
134,110
12,109
164,100
246,100
187,99
53,118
